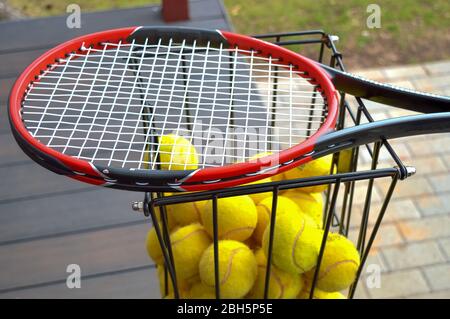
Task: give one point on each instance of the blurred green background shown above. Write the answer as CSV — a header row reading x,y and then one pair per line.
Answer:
x,y
411,30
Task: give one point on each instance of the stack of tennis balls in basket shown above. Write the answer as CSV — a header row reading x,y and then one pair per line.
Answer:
x,y
243,232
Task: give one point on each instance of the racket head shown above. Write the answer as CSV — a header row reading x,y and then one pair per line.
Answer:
x,y
138,178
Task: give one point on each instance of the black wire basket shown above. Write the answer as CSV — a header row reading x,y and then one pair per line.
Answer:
x,y
339,210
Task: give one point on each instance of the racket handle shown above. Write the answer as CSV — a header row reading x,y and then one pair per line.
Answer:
x,y
377,131
387,94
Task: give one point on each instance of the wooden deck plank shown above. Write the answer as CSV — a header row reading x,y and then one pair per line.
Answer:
x,y
89,209
10,152
15,62
5,86
31,180
4,124
46,260
137,284
45,32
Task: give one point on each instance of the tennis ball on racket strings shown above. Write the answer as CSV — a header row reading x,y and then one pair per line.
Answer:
x,y
317,167
183,285
339,265
236,217
310,204
200,291
177,153
296,243
237,268
282,285
185,213
264,209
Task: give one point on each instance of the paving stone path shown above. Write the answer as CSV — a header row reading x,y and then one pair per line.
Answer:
x,y
413,246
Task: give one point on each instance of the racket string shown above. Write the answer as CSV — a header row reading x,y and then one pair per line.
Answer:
x,y
111,105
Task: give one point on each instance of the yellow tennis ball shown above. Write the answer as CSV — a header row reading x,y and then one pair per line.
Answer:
x,y
264,209
177,153
153,247
257,197
185,213
260,196
282,285
320,294
183,285
318,167
339,265
188,244
171,223
237,268
182,295
310,204
278,177
236,217
200,291
295,243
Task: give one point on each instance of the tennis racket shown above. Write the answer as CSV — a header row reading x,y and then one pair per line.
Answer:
x,y
95,109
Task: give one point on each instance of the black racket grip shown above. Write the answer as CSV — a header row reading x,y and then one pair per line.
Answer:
x,y
388,94
377,131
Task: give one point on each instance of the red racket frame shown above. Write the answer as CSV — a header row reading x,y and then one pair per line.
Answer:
x,y
187,180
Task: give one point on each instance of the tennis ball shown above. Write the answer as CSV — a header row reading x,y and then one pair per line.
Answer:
x,y
310,204
339,265
200,291
318,167
295,243
188,244
153,247
278,177
177,153
236,217
183,285
264,209
282,285
185,213
181,294
260,196
344,164
259,155
257,197
171,223
237,268
320,294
